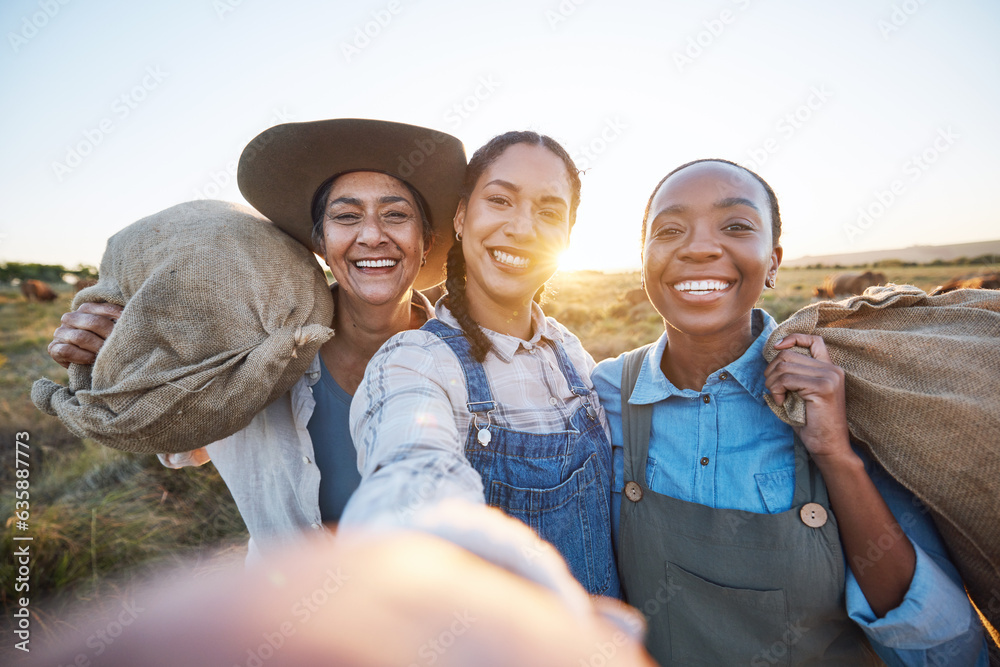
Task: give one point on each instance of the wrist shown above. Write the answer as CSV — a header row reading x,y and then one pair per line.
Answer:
x,y
839,462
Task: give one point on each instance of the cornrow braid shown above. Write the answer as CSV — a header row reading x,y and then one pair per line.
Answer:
x,y
459,305
486,155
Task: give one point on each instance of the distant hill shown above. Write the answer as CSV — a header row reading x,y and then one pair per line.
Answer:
x,y
921,254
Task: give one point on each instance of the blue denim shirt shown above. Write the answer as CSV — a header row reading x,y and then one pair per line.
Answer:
x,y
738,455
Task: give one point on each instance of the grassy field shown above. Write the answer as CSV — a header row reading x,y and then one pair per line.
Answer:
x,y
102,520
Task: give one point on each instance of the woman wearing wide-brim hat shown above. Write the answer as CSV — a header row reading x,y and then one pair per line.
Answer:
x,y
376,200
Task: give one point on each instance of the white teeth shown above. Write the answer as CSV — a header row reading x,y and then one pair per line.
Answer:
x,y
375,263
510,260
700,286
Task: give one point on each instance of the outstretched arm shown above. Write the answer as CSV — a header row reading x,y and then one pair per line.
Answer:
x,y
411,451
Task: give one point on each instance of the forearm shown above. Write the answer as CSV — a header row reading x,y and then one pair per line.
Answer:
x,y
877,550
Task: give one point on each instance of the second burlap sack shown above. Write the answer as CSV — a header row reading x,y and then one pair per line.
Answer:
x,y
922,376
223,312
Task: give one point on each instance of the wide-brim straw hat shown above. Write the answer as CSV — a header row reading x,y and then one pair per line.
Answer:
x,y
281,169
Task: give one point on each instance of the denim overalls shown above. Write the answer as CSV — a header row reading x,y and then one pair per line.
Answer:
x,y
557,483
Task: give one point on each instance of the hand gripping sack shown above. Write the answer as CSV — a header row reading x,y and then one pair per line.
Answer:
x,y
223,312
922,376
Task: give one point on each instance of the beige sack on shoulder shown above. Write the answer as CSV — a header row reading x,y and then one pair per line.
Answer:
x,y
923,392
223,312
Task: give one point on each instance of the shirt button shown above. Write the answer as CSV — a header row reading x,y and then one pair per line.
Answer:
x,y
724,376
633,492
316,526
531,350
706,398
305,459
813,515
704,460
553,400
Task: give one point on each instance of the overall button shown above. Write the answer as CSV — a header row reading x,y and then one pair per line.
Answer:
x,y
813,515
633,492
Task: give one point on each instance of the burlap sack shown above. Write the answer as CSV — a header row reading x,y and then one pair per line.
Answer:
x,y
223,313
923,393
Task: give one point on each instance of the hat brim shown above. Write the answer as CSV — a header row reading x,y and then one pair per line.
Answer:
x,y
282,167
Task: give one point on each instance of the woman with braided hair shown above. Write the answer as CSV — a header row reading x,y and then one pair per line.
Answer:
x,y
492,401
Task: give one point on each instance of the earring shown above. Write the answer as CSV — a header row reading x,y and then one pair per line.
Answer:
x,y
458,236
423,261
769,283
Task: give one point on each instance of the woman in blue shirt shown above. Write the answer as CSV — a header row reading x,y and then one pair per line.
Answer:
x,y
742,540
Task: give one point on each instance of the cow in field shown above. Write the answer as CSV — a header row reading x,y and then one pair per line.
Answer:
x,y
970,281
848,284
84,283
36,290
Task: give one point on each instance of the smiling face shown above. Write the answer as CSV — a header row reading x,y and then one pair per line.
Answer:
x,y
514,225
373,237
708,250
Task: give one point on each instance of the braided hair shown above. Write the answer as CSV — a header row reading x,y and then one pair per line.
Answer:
x,y
455,298
771,197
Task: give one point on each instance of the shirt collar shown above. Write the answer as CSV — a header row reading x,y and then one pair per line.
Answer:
x,y
418,302
652,385
506,346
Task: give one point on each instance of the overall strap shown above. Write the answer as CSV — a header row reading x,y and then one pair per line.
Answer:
x,y
576,385
476,384
809,484
636,419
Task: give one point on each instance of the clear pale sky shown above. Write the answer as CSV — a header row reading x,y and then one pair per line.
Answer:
x,y
115,110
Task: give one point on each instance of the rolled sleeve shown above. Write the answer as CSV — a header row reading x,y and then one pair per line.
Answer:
x,y
410,449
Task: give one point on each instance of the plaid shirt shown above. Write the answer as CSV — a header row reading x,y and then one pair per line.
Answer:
x,y
410,422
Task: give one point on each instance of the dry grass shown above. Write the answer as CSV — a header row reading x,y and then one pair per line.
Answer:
x,y
103,520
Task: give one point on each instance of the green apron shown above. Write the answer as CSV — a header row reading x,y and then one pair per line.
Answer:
x,y
728,587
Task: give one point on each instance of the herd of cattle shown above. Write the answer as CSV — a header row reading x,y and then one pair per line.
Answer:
x,y
848,284
835,285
